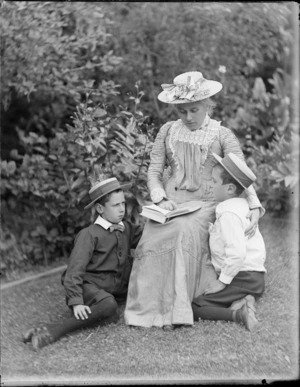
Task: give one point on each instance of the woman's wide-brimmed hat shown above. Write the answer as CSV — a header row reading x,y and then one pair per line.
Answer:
x,y
189,87
103,188
237,168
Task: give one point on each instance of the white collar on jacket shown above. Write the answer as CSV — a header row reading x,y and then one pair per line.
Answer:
x,y
105,223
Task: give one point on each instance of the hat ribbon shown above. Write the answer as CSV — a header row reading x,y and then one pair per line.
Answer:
x,y
189,90
243,179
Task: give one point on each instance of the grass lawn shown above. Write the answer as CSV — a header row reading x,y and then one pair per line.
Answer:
x,y
208,352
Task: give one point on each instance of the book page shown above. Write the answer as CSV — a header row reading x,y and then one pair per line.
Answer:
x,y
155,208
185,208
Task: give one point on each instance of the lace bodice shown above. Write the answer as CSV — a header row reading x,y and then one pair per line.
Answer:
x,y
187,155
190,148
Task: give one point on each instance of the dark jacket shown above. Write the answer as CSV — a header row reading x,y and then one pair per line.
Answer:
x,y
102,258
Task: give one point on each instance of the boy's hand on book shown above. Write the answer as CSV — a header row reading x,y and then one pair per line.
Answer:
x,y
214,287
81,311
169,205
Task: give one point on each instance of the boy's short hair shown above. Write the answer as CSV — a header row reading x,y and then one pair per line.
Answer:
x,y
106,197
228,179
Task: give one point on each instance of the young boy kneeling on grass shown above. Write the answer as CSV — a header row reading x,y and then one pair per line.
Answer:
x,y
238,261
99,267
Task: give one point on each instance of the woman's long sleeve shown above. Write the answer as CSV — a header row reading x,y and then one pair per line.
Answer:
x,y
157,165
230,143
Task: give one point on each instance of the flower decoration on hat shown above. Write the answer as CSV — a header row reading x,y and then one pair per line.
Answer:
x,y
189,90
188,87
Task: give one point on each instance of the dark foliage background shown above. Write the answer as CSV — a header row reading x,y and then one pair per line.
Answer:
x,y
79,86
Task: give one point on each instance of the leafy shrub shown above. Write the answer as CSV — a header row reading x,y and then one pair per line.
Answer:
x,y
53,178
278,179
272,142
12,259
72,106
159,41
48,51
51,48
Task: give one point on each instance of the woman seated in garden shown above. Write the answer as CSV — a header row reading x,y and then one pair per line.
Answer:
x,y
172,262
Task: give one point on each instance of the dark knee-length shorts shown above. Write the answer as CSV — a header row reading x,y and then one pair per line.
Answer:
x,y
244,283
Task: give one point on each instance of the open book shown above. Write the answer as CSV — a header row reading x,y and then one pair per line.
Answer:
x,y
160,215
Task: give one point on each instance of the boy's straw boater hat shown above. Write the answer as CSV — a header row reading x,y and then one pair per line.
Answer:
x,y
237,168
103,188
189,87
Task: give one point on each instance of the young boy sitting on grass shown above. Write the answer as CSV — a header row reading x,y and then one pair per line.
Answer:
x,y
99,267
238,261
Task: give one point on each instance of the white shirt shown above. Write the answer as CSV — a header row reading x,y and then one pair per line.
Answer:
x,y
231,250
105,223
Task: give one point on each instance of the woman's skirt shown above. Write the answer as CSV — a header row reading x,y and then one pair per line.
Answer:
x,y
171,267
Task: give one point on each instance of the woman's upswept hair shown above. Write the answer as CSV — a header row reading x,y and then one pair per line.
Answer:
x,y
210,105
207,102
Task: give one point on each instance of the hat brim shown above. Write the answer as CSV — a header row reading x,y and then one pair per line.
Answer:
x,y
123,187
219,159
213,86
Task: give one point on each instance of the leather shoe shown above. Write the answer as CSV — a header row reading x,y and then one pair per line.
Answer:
x,y
27,336
238,304
41,338
248,314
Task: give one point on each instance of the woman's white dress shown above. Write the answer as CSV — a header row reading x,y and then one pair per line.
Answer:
x,y
172,262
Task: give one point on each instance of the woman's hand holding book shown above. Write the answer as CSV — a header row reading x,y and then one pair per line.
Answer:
x,y
169,205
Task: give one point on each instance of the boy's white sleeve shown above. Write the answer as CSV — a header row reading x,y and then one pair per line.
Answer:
x,y
234,239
